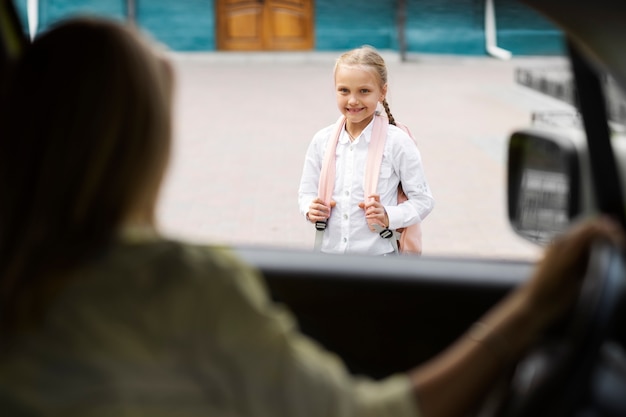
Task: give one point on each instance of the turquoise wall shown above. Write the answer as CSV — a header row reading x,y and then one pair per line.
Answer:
x,y
339,24
183,25
445,26
435,26
432,26
524,31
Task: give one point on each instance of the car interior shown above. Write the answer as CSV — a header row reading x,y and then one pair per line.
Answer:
x,y
385,315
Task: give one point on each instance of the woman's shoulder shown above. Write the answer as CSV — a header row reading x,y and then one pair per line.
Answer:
x,y
163,259
212,273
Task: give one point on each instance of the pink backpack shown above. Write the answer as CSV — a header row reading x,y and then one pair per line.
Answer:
x,y
409,239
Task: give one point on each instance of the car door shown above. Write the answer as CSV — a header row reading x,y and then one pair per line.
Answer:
x,y
384,315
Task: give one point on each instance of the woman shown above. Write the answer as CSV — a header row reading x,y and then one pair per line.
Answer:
x,y
99,315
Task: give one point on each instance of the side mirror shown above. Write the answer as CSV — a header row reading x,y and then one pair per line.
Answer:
x,y
544,184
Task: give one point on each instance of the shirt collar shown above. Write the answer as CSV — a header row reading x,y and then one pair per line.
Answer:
x,y
366,134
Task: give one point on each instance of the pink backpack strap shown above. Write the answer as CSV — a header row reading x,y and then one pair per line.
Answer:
x,y
372,170
327,174
374,158
375,154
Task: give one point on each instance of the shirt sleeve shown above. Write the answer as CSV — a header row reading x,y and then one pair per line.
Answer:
x,y
407,162
311,171
264,366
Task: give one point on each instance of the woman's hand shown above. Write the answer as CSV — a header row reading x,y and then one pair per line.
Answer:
x,y
467,370
319,211
375,212
558,277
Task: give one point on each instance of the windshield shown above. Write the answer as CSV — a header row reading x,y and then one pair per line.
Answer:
x,y
245,116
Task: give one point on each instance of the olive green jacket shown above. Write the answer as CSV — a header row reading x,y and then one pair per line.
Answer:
x,y
161,328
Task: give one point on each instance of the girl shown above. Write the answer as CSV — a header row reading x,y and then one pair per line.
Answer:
x,y
361,85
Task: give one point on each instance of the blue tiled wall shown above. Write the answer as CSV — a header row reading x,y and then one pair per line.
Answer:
x,y
340,24
20,5
183,25
525,32
51,11
432,26
444,26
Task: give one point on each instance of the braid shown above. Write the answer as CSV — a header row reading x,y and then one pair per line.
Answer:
x,y
392,121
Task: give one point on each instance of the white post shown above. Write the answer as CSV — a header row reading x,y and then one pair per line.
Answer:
x,y
32,8
490,33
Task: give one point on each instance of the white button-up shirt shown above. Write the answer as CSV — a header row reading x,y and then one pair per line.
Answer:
x,y
347,230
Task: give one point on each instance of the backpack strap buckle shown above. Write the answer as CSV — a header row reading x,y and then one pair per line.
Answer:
x,y
384,232
320,225
387,233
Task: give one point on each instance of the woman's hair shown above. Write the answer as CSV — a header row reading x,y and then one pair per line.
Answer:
x,y
85,131
368,57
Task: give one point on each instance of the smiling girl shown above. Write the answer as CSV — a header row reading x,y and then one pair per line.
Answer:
x,y
361,89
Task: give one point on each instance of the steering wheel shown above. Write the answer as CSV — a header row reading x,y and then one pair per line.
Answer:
x,y
553,378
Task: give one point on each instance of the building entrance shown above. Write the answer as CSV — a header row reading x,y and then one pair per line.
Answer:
x,y
264,25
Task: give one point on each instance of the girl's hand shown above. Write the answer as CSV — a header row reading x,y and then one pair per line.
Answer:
x,y
319,211
375,212
556,282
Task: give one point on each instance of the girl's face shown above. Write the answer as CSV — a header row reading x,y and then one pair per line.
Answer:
x,y
358,93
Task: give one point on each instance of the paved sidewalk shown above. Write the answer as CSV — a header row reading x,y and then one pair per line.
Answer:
x,y
244,121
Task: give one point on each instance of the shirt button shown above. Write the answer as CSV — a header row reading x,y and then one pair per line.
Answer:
x,y
345,217
351,148
345,239
347,193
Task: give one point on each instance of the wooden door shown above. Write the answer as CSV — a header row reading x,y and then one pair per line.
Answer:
x,y
264,25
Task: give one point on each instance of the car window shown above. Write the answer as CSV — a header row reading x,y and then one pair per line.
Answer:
x,y
243,122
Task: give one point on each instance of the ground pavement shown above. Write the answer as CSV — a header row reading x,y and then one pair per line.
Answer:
x,y
243,123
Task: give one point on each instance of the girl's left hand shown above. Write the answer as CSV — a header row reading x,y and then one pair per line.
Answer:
x,y
375,212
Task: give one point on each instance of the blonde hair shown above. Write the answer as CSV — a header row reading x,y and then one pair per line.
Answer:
x,y
84,142
369,58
